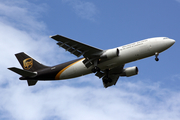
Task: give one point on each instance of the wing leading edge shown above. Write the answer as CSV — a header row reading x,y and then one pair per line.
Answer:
x,y
91,54
75,47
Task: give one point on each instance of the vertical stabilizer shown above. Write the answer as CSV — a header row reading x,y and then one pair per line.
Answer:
x,y
29,63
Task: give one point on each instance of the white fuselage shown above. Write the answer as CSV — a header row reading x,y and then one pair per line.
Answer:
x,y
127,53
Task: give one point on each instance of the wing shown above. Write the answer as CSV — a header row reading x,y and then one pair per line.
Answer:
x,y
113,74
76,47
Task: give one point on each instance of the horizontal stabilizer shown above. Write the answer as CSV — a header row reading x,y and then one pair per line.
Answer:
x,y
24,73
31,82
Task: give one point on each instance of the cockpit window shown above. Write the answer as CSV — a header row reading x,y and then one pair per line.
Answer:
x,y
166,38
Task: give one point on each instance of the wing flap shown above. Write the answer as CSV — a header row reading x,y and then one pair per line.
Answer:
x,y
75,47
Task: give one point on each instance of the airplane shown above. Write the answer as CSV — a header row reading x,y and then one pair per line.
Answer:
x,y
105,64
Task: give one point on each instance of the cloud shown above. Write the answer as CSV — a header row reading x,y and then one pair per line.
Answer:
x,y
85,10
80,98
74,103
22,14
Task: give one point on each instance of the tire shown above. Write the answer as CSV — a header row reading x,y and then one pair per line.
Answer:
x,y
97,69
105,80
109,80
93,70
157,59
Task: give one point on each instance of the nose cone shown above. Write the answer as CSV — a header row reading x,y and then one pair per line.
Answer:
x,y
171,42
161,44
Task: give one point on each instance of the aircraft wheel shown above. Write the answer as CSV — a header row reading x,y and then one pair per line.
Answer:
x,y
157,59
97,69
93,70
107,80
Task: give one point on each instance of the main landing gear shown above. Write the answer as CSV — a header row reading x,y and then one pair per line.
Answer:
x,y
106,78
95,69
98,72
156,55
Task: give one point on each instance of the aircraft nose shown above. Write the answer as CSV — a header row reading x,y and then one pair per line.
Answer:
x,y
170,42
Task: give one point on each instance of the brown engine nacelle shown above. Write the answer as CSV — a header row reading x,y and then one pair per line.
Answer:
x,y
111,53
130,71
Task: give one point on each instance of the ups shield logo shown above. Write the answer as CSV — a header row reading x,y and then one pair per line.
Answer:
x,y
28,63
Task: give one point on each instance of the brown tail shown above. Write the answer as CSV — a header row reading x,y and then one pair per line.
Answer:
x,y
29,63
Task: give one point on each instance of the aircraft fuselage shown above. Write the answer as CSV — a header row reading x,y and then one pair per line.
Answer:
x,y
127,53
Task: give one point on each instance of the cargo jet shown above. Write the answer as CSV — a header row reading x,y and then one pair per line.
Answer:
x,y
105,64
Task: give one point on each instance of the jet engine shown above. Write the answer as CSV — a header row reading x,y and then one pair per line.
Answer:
x,y
110,53
130,71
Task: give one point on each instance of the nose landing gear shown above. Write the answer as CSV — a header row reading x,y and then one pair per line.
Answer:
x,y
156,55
106,78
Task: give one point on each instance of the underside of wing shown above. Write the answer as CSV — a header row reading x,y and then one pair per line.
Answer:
x,y
75,47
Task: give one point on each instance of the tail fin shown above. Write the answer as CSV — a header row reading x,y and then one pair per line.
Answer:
x,y
29,63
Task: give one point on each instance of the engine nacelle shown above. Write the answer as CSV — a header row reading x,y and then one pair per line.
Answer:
x,y
110,53
130,71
